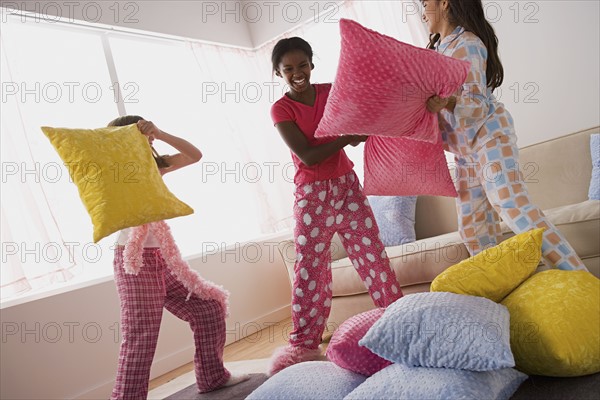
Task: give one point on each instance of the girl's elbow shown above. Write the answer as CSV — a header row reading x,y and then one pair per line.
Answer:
x,y
197,157
308,161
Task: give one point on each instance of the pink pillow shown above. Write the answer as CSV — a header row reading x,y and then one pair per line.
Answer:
x,y
406,167
382,85
344,351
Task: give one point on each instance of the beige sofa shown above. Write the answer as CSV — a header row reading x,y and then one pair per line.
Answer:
x,y
557,173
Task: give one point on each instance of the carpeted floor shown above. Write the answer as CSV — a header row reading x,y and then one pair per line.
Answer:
x,y
548,388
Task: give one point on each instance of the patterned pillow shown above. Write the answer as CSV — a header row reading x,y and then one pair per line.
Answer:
x,y
405,167
402,382
443,330
382,85
308,380
395,216
344,350
555,323
117,178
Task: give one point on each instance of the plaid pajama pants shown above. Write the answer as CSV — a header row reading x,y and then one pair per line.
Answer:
x,y
143,297
489,184
322,208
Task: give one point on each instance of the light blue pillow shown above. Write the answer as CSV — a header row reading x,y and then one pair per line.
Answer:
x,y
594,192
443,330
398,381
309,380
395,216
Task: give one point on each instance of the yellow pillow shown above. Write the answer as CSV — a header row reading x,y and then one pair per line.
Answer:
x,y
555,324
494,272
117,177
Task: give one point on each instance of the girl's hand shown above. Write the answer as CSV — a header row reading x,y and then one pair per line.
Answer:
x,y
149,130
355,140
435,104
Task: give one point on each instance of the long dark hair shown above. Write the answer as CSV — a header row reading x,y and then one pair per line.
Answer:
x,y
133,119
290,44
470,15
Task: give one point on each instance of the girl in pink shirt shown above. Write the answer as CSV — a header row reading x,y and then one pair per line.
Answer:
x,y
328,199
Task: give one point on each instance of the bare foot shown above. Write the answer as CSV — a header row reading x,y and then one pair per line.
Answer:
x,y
234,379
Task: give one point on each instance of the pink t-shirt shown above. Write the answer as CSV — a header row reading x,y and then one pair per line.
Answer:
x,y
307,119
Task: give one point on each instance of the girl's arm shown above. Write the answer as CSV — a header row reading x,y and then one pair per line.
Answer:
x,y
470,103
188,153
311,155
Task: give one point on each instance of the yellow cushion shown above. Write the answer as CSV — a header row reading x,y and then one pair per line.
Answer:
x,y
494,272
117,177
555,323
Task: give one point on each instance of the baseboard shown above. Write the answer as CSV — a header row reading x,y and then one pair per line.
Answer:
x,y
242,330
99,392
185,355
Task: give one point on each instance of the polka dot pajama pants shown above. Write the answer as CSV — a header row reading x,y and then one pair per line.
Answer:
x,y
143,297
490,185
322,208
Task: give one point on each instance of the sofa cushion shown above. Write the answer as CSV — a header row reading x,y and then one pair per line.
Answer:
x,y
580,224
558,171
594,191
414,263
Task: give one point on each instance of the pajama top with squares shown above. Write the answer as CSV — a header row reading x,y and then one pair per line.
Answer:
x,y
329,199
480,133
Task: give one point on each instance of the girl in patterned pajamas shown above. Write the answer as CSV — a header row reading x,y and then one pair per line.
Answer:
x,y
480,132
151,275
328,199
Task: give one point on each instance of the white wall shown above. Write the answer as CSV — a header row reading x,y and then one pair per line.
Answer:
x,y
66,346
269,19
212,21
557,57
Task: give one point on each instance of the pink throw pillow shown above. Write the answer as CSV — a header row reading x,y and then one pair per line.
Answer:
x,y
344,351
382,86
405,167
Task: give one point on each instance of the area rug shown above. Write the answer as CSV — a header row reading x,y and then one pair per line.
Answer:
x,y
548,388
237,392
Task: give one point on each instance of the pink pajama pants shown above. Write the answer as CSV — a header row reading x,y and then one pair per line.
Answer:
x,y
490,185
143,297
322,208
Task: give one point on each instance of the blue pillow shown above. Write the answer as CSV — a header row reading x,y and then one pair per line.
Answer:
x,y
398,381
594,192
443,330
395,216
309,380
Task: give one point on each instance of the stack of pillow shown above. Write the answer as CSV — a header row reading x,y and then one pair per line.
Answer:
x,y
484,316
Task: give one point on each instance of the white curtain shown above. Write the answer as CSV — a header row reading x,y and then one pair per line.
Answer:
x,y
216,97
